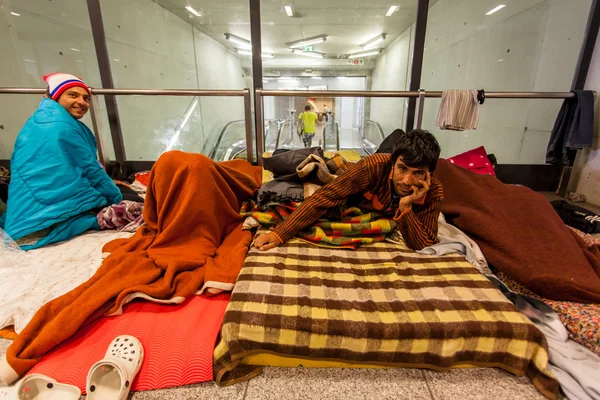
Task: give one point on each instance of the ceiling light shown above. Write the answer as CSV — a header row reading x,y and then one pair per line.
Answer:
x,y
191,9
364,54
74,49
316,78
15,14
28,60
391,11
116,59
249,53
308,53
265,81
373,42
238,40
307,41
289,11
493,10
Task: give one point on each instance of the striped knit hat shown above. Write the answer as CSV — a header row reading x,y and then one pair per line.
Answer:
x,y
59,82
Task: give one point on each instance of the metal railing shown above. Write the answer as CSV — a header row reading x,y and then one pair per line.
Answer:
x,y
259,94
245,93
420,95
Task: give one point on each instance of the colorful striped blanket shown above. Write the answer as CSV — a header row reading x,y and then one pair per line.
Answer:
x,y
381,305
353,229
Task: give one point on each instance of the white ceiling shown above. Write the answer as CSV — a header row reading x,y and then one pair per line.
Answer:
x,y
348,23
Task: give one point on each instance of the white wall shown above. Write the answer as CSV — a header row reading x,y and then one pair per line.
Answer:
x,y
589,181
530,45
392,73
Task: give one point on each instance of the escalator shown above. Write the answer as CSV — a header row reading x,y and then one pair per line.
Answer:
x,y
231,142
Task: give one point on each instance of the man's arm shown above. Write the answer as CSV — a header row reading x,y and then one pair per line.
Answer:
x,y
355,180
419,224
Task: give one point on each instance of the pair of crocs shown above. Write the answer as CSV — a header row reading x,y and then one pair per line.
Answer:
x,y
108,379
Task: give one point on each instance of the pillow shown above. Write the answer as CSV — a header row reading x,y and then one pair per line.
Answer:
x,y
475,160
285,163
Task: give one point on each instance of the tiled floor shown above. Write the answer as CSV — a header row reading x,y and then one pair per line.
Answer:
x,y
350,384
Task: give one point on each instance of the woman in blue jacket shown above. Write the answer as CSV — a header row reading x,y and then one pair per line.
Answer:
x,y
57,183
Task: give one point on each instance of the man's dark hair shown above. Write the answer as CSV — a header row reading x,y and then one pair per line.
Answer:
x,y
418,148
307,107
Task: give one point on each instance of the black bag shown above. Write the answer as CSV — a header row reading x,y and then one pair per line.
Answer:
x,y
577,217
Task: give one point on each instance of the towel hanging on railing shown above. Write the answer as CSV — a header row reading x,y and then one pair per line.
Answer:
x,y
459,110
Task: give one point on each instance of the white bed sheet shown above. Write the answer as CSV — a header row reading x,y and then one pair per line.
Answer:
x,y
47,273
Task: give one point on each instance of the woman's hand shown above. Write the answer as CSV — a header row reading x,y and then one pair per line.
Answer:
x,y
266,241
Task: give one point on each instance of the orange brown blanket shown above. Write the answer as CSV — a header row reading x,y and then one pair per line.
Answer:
x,y
192,240
521,235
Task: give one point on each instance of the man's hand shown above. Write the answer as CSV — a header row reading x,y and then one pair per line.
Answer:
x,y
266,241
419,191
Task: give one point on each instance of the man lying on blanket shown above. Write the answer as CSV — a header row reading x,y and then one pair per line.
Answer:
x,y
401,185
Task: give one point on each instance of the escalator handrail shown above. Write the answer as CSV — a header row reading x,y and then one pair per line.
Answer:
x,y
378,126
213,152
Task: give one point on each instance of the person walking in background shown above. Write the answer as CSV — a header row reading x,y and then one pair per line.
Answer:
x,y
307,125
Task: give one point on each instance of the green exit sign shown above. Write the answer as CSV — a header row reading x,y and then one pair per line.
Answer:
x,y
308,48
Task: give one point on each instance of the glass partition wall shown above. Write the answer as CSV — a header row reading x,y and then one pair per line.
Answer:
x,y
307,45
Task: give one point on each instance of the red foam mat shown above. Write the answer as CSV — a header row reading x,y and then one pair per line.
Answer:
x,y
178,342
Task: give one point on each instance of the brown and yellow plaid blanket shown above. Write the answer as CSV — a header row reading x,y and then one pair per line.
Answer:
x,y
350,230
380,305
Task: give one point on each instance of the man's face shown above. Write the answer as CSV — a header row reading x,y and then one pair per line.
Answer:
x,y
404,177
76,101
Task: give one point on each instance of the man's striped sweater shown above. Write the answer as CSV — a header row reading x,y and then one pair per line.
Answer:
x,y
367,185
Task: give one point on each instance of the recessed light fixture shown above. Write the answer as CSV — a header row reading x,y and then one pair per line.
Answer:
x,y
289,11
308,53
391,11
316,78
74,49
364,53
15,14
116,59
502,59
306,42
238,40
28,60
373,42
192,10
493,10
249,53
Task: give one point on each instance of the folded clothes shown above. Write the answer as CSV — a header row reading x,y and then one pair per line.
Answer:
x,y
279,192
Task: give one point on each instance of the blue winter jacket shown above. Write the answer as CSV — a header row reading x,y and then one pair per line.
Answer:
x,y
56,179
